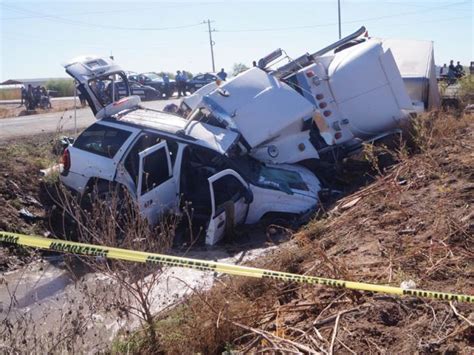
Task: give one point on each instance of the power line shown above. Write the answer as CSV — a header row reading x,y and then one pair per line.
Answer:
x,y
377,18
75,14
59,19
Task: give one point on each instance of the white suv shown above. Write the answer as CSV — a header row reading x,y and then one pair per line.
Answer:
x,y
164,160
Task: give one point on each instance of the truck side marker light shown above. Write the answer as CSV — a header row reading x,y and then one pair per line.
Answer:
x,y
338,135
327,113
310,73
319,96
272,151
322,105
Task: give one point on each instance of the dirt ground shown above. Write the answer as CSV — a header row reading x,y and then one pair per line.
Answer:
x,y
15,110
413,224
25,205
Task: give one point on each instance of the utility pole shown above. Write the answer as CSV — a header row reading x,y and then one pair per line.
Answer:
x,y
211,43
339,16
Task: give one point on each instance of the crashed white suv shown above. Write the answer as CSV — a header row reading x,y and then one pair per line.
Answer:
x,y
163,160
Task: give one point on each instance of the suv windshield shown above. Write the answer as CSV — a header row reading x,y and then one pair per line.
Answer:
x,y
153,77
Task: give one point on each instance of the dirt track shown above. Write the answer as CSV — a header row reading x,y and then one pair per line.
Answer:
x,y
16,110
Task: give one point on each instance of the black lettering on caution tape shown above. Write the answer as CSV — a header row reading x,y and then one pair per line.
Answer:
x,y
9,238
302,279
439,295
198,265
78,249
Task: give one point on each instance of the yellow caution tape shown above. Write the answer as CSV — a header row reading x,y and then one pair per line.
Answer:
x,y
64,246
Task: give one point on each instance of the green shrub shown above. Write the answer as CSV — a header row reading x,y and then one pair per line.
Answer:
x,y
10,94
466,91
64,87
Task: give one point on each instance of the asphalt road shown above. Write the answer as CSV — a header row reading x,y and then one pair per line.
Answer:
x,y
57,121
17,101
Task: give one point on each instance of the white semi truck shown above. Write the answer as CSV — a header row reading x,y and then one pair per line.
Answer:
x,y
354,90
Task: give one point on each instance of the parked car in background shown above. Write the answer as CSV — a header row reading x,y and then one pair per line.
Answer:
x,y
156,82
199,81
145,92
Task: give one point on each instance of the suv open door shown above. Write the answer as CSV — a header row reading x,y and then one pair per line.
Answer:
x,y
156,190
230,199
96,81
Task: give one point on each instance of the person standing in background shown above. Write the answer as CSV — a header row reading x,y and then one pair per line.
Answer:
x,y
23,95
459,70
166,81
184,76
179,83
222,74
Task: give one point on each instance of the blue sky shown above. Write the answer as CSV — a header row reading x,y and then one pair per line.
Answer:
x,y
37,36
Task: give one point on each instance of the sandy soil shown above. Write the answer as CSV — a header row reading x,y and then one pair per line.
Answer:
x,y
15,110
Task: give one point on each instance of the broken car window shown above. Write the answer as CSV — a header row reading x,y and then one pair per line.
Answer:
x,y
102,140
146,141
155,170
227,188
105,88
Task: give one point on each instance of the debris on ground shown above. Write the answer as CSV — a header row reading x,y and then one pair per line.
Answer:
x,y
24,201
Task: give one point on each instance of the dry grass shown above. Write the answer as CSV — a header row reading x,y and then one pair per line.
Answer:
x,y
15,110
413,223
10,94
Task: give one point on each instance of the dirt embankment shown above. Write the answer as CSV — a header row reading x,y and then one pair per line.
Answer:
x,y
25,204
414,223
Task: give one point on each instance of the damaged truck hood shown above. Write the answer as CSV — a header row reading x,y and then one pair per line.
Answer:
x,y
260,107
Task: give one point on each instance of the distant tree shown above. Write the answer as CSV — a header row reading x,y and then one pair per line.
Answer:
x,y
173,75
170,74
239,68
64,87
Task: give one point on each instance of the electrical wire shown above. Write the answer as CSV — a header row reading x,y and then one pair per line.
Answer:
x,y
62,20
377,18
109,11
